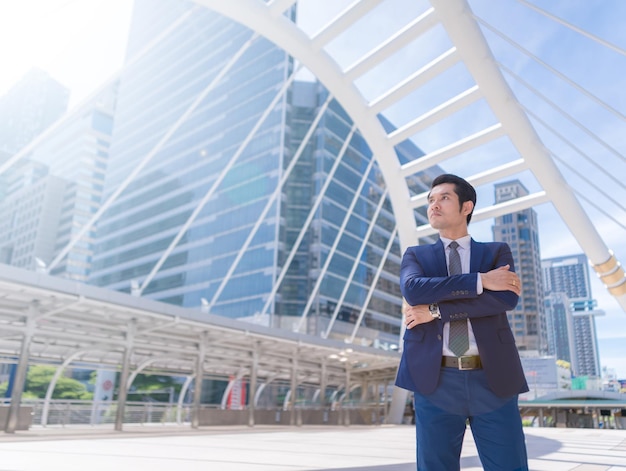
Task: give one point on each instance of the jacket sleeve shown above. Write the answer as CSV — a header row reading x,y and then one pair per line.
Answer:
x,y
456,295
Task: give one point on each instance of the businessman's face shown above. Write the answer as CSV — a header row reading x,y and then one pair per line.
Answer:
x,y
445,213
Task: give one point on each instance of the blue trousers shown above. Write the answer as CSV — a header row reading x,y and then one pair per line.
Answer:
x,y
464,397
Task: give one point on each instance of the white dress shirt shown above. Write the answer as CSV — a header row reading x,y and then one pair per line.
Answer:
x,y
464,254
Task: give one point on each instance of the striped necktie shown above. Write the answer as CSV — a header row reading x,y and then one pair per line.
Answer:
x,y
458,341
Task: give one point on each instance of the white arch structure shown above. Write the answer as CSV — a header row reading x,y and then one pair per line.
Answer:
x,y
469,47
483,83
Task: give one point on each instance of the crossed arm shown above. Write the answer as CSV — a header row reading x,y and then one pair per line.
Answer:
x,y
499,279
501,289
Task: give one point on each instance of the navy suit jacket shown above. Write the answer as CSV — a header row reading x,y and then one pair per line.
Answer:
x,y
423,280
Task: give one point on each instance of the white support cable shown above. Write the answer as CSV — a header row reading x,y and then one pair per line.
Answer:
x,y
150,155
209,194
414,81
402,38
438,113
592,184
568,143
355,263
581,31
564,113
50,130
462,145
307,222
500,209
465,32
554,71
488,176
333,249
600,209
338,25
373,284
271,200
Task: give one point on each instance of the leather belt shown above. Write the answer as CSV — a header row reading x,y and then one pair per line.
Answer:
x,y
469,362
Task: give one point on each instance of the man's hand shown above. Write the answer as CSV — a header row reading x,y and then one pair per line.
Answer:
x,y
501,279
415,315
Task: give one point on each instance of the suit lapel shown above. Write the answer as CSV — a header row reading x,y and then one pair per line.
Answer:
x,y
439,259
476,256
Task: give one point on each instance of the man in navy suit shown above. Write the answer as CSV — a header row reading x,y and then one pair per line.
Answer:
x,y
459,356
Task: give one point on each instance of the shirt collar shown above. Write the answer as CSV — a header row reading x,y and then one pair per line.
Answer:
x,y
464,242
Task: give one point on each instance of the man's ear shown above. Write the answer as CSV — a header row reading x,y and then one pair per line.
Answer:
x,y
468,207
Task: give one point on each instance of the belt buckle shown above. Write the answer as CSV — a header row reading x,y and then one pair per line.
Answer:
x,y
468,364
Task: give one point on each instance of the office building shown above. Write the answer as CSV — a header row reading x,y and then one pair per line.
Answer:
x,y
64,172
217,213
28,108
569,275
29,219
521,231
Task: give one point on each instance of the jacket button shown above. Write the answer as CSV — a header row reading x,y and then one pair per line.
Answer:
x,y
439,337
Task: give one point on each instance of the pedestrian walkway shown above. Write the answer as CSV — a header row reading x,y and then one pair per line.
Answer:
x,y
309,448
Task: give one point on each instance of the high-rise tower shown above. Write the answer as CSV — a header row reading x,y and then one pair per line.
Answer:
x,y
521,231
568,276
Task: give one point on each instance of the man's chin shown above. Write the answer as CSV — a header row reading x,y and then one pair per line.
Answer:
x,y
434,223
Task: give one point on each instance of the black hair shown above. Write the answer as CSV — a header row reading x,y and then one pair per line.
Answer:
x,y
462,188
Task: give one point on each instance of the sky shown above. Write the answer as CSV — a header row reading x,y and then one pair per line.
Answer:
x,y
81,43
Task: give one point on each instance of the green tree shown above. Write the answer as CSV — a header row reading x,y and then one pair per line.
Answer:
x,y
38,378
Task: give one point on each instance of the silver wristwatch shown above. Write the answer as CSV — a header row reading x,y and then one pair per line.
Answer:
x,y
434,310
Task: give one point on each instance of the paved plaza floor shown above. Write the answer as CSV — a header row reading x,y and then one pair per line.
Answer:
x,y
309,448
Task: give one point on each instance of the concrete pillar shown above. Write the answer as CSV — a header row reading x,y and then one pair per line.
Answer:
x,y
253,385
294,387
398,404
22,368
123,383
323,384
346,415
197,390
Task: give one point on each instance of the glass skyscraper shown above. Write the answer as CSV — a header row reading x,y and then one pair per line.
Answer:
x,y
226,210
568,277
147,217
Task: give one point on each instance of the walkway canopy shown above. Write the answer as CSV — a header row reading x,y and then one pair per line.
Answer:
x,y
48,320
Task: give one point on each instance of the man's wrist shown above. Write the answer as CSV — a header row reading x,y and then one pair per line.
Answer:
x,y
434,310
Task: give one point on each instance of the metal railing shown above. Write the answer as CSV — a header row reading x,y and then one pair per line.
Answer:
x,y
63,412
